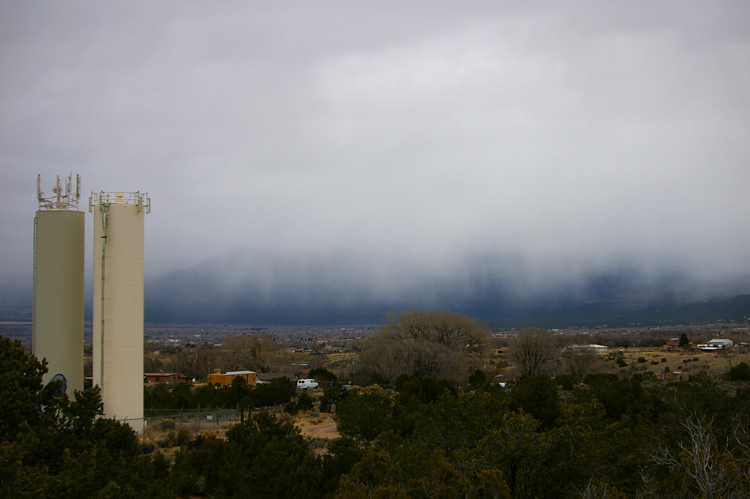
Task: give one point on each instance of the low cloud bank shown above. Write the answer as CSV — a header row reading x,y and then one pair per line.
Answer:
x,y
348,287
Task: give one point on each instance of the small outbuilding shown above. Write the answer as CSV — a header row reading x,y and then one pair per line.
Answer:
x,y
673,343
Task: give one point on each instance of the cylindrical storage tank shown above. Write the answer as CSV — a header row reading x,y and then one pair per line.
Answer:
x,y
57,307
117,320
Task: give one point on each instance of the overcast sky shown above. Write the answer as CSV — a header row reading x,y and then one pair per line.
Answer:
x,y
423,138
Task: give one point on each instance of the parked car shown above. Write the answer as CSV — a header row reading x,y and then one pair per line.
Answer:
x,y
304,384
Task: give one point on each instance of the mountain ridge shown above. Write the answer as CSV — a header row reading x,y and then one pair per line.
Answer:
x,y
334,288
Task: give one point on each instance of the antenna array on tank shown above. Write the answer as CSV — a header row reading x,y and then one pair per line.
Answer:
x,y
63,198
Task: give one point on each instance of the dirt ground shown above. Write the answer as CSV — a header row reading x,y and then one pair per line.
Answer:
x,y
312,425
325,430
316,424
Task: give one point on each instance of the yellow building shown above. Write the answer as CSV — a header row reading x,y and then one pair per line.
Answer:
x,y
225,379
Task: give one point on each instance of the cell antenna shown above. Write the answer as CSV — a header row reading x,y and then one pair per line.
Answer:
x,y
63,198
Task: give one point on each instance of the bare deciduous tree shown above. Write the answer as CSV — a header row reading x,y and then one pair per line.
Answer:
x,y
195,362
531,350
698,458
248,351
387,358
152,364
579,361
457,332
433,359
436,344
596,490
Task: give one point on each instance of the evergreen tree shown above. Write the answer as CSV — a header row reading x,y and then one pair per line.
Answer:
x,y
684,341
53,447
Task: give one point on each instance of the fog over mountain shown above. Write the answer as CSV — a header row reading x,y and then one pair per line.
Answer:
x,y
333,161
339,287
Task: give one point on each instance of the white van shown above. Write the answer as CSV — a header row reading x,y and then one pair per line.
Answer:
x,y
304,384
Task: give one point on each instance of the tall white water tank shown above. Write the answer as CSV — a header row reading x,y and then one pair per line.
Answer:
x,y
57,306
117,321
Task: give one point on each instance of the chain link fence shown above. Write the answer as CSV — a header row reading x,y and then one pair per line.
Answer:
x,y
157,422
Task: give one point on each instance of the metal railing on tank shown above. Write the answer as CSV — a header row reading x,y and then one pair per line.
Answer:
x,y
139,199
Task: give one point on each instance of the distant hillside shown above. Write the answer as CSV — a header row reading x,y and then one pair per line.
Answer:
x,y
735,309
336,288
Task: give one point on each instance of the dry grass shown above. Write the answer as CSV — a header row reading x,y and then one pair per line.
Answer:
x,y
313,424
676,362
317,428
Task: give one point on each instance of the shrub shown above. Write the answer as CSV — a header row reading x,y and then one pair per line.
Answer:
x,y
323,376
167,441
183,436
566,382
478,378
148,447
305,402
739,372
291,408
166,424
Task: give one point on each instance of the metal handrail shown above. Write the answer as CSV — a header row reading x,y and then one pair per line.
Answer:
x,y
139,199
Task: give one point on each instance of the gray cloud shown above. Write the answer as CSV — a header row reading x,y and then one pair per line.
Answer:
x,y
571,141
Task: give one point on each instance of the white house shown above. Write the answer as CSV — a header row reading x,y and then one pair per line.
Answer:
x,y
717,344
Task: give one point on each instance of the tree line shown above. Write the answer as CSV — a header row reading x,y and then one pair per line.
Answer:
x,y
246,351
609,437
426,437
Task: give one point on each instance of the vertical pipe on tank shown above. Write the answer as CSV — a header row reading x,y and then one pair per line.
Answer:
x,y
103,264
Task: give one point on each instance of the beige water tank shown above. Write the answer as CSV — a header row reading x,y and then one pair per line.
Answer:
x,y
57,309
57,306
117,321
